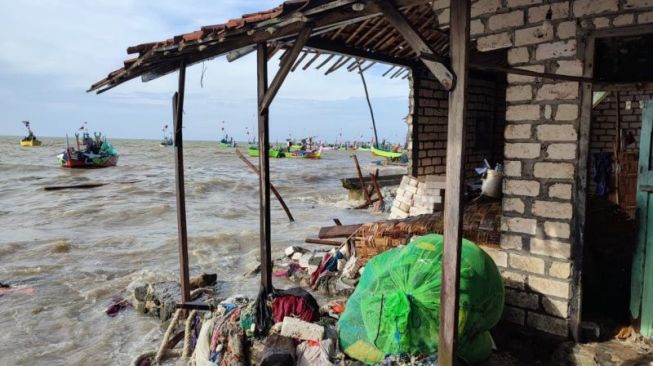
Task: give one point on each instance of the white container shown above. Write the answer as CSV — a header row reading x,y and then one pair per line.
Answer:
x,y
491,185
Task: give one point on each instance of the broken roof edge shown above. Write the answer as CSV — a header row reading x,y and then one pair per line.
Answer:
x,y
209,42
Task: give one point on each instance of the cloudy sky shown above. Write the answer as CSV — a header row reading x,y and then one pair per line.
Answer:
x,y
53,50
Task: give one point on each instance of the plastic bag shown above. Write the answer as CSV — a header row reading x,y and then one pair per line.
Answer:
x,y
396,306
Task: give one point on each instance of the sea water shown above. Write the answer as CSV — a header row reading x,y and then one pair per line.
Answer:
x,y
71,251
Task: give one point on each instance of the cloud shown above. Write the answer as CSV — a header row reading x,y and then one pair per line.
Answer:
x,y
54,49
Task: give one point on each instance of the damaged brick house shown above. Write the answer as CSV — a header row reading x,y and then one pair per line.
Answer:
x,y
534,67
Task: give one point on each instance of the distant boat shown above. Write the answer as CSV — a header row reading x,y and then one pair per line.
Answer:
x,y
274,152
167,139
92,152
226,141
386,154
30,140
305,154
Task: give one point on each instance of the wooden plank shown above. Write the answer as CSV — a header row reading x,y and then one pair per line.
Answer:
x,y
397,19
575,305
264,168
325,61
285,67
334,243
182,232
383,180
299,61
453,210
338,231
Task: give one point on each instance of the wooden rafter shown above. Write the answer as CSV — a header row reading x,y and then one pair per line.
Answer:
x,y
284,69
397,20
310,62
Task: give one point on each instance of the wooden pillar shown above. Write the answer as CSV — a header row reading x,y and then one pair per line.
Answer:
x,y
182,235
453,209
264,167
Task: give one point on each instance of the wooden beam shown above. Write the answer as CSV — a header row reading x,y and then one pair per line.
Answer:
x,y
397,20
284,69
299,61
453,210
310,62
338,64
264,167
325,61
342,49
182,233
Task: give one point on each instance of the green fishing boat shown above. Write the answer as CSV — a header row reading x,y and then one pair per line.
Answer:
x,y
386,154
275,152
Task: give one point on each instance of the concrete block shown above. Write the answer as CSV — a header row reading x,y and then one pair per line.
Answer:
x,y
591,7
623,19
482,7
554,210
517,93
494,42
527,263
561,151
566,30
522,150
516,79
512,168
567,112
548,324
560,190
533,35
514,242
550,248
548,286
556,132
556,308
527,112
518,55
553,170
513,205
514,315
522,299
558,91
516,187
556,229
537,14
559,49
506,20
519,225
560,270
299,329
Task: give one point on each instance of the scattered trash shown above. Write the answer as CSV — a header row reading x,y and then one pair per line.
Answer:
x,y
118,304
294,302
299,329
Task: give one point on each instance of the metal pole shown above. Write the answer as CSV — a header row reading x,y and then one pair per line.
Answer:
x,y
182,238
264,168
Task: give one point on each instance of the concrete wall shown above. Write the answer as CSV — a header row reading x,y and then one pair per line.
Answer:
x,y
541,144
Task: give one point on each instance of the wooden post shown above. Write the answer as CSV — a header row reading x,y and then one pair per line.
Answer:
x,y
617,153
360,178
182,234
453,210
264,167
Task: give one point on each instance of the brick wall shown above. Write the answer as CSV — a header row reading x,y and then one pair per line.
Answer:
x,y
542,135
603,130
485,122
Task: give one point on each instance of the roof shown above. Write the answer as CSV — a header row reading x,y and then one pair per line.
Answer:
x,y
345,27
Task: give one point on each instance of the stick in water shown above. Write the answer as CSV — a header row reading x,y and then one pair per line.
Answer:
x,y
274,190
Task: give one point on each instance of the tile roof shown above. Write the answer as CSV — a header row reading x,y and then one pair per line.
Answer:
x,y
335,22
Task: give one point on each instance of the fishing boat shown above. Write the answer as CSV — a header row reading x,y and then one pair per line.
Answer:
x,y
167,139
305,154
275,152
386,153
226,141
92,152
30,140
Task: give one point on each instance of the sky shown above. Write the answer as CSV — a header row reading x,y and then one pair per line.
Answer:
x,y
53,50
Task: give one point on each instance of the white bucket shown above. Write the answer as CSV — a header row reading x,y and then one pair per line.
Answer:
x,y
491,185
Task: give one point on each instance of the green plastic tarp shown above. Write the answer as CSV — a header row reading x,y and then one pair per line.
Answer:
x,y
395,308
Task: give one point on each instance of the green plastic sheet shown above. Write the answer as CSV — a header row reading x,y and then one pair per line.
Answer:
x,y
395,308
